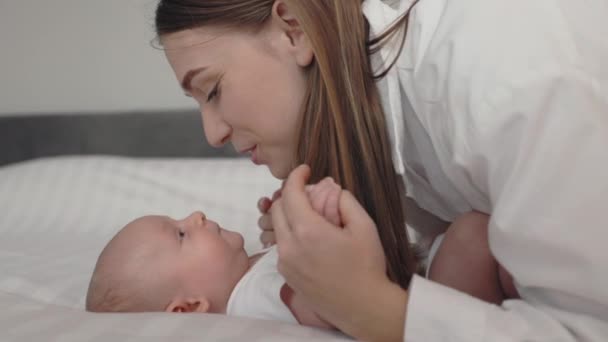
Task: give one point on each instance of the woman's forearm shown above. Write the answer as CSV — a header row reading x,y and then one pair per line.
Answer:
x,y
378,314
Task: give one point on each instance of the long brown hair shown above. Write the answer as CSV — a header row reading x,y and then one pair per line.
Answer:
x,y
343,130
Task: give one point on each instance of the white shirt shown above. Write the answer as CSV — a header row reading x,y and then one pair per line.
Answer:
x,y
502,107
258,293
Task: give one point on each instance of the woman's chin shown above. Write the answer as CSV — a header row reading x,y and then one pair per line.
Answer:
x,y
278,172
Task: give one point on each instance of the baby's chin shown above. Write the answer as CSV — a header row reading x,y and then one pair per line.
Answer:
x,y
235,239
240,242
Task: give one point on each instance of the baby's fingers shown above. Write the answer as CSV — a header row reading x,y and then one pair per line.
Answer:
x,y
331,211
318,197
268,238
264,204
265,222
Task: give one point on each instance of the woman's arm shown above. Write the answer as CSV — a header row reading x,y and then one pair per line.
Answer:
x,y
340,271
542,149
301,310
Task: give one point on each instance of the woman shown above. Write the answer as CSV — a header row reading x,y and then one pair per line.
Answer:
x,y
494,106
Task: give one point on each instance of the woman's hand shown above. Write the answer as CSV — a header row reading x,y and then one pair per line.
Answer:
x,y
267,237
341,272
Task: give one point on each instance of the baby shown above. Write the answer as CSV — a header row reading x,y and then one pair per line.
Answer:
x,y
156,263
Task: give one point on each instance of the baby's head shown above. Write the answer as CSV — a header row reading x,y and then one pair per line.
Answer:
x,y
156,263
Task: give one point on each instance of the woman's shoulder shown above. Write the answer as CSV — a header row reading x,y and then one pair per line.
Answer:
x,y
499,40
466,53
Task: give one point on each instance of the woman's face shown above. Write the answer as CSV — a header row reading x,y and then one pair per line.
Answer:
x,y
249,88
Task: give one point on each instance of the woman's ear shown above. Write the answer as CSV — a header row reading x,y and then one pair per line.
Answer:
x,y
299,44
192,304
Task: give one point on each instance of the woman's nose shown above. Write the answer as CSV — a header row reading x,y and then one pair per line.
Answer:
x,y
217,131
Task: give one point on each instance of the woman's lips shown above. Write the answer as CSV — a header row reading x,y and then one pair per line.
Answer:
x,y
253,153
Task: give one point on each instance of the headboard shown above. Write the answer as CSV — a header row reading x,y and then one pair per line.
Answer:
x,y
138,134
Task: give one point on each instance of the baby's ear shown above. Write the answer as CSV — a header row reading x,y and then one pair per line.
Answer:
x,y
191,304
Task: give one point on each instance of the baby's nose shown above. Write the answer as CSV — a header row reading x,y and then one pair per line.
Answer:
x,y
196,218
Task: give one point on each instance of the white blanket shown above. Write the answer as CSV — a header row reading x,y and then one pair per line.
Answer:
x,y
58,213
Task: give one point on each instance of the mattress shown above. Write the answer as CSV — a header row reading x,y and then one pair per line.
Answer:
x,y
58,213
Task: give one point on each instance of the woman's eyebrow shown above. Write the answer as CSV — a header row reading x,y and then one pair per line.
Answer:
x,y
187,80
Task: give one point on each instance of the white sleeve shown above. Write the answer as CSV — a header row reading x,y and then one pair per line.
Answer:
x,y
539,148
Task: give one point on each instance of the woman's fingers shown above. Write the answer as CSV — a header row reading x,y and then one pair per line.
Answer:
x,y
362,228
352,213
282,230
296,205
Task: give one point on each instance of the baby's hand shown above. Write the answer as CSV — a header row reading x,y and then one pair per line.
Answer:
x,y
325,199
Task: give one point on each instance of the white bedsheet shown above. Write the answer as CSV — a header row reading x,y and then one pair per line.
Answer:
x,y
58,213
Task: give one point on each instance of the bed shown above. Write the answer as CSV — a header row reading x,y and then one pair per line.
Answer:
x,y
69,182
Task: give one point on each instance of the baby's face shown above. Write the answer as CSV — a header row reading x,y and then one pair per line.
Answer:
x,y
199,255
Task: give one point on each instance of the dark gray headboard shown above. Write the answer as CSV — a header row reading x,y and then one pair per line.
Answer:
x,y
137,134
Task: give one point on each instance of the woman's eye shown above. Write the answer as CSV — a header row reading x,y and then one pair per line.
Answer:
x,y
216,89
213,93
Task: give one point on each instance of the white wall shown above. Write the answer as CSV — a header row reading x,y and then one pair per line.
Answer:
x,y
82,55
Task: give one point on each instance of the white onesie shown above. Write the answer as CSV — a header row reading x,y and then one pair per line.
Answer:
x,y
258,293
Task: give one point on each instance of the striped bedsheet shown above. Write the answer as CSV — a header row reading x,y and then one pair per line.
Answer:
x,y
58,213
